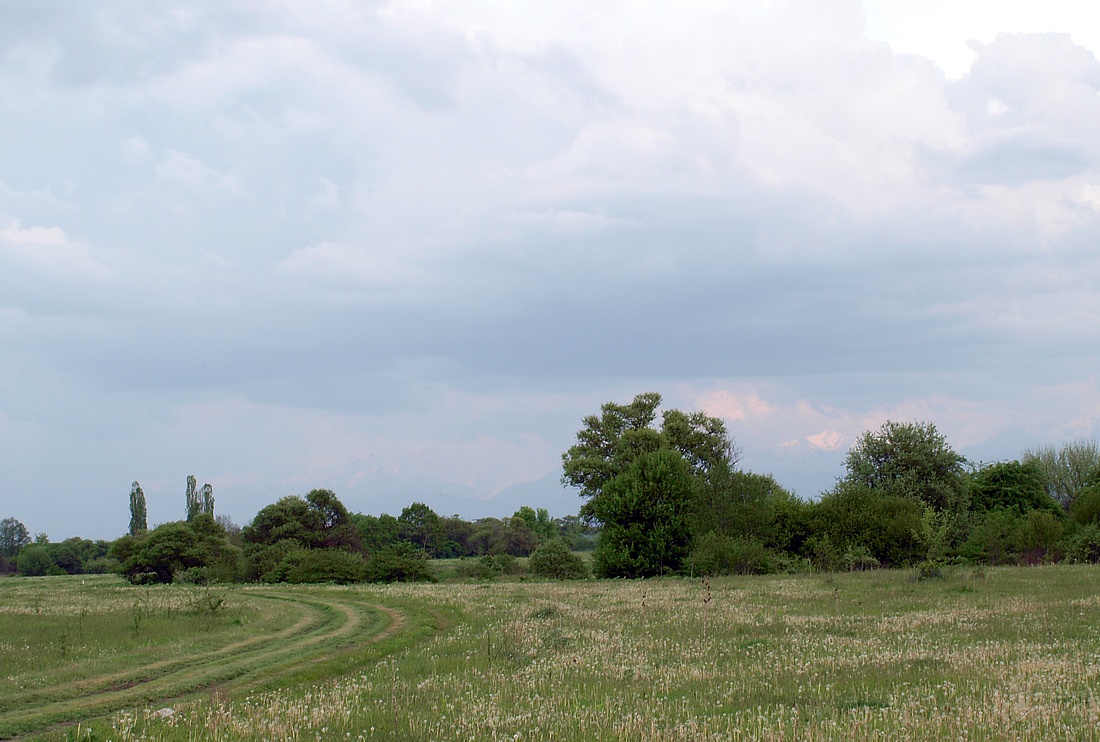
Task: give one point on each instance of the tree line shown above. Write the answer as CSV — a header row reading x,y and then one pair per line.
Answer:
x,y
657,497
298,539
669,498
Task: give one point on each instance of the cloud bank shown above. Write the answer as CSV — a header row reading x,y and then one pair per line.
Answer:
x,y
404,247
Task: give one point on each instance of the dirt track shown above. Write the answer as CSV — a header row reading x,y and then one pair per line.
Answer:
x,y
324,625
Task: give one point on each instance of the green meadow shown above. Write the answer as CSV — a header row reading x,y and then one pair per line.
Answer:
x,y
993,653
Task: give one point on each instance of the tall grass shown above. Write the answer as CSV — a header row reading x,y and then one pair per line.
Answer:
x,y
1004,653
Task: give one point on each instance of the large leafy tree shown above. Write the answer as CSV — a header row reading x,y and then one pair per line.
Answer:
x,y
610,442
200,544
642,483
418,524
13,537
645,512
1010,485
318,521
911,460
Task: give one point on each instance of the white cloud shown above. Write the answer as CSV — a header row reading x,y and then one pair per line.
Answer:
x,y
734,406
49,251
16,234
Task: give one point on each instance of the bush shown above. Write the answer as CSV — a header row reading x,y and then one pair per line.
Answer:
x,y
890,527
859,558
992,539
34,561
823,554
1038,537
323,565
265,562
1086,508
718,554
400,562
1083,545
191,576
102,566
554,559
488,566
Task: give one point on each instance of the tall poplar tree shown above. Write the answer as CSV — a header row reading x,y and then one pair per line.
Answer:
x,y
138,513
194,503
206,498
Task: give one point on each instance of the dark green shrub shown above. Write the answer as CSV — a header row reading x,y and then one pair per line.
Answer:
x,y
488,566
1010,485
479,568
718,554
1083,545
644,512
34,561
992,539
191,576
400,562
890,527
1038,537
102,566
323,565
554,559
1086,508
265,562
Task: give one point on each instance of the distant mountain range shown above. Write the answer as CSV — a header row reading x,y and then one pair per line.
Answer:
x,y
448,498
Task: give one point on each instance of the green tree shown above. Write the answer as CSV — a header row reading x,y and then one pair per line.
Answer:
x,y
421,526
206,499
1085,509
643,501
1012,485
911,460
199,546
609,443
34,560
554,559
318,521
538,521
168,549
1067,470
579,535
375,532
13,537
194,504
290,518
138,514
854,516
644,512
336,528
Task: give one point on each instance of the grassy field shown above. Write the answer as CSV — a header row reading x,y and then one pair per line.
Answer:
x,y
1011,653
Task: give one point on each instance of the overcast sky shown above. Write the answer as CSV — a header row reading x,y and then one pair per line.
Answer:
x,y
406,246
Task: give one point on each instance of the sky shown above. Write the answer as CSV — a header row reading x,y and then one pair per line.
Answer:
x,y
400,249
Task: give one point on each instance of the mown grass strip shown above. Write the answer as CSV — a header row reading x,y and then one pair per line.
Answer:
x,y
252,660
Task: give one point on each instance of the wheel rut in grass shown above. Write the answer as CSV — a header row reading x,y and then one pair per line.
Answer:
x,y
321,626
